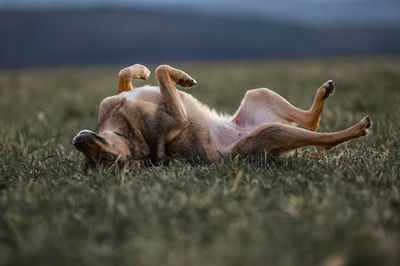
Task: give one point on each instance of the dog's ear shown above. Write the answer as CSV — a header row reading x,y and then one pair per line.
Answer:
x,y
140,149
106,107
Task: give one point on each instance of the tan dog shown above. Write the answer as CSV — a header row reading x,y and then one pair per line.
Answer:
x,y
153,122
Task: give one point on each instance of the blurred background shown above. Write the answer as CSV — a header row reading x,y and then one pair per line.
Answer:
x,y
60,58
106,32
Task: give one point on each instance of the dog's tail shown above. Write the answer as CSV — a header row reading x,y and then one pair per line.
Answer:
x,y
126,74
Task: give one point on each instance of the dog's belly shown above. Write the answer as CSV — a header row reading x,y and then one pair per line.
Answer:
x,y
225,133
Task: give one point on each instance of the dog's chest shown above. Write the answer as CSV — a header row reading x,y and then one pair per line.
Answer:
x,y
146,93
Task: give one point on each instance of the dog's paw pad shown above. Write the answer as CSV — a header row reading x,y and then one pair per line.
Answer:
x,y
366,124
328,88
186,82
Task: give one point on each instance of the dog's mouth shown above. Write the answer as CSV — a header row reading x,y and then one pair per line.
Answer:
x,y
97,150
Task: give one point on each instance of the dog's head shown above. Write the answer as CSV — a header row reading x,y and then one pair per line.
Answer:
x,y
124,145
104,148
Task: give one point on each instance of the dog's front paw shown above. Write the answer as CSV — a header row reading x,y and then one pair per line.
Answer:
x,y
327,89
186,81
136,71
141,72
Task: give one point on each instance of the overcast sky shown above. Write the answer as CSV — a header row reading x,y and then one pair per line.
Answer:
x,y
309,11
132,2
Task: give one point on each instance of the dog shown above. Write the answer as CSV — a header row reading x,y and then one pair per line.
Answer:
x,y
149,123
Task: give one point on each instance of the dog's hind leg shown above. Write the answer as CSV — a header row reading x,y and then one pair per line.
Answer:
x,y
261,106
132,72
278,139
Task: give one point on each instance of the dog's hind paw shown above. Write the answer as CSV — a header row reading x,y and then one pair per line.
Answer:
x,y
327,89
365,124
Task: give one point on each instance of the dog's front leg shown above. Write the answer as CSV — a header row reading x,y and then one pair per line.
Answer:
x,y
125,76
172,101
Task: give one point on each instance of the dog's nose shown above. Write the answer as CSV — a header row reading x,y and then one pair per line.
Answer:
x,y
84,137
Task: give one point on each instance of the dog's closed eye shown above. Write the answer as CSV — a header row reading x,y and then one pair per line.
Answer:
x,y
107,157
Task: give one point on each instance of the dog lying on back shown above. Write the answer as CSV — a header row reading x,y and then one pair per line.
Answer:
x,y
149,123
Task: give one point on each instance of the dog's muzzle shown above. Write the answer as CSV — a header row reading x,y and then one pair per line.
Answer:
x,y
85,138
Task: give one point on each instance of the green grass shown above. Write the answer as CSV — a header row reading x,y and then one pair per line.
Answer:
x,y
343,207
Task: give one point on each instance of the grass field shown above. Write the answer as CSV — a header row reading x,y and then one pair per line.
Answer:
x,y
340,207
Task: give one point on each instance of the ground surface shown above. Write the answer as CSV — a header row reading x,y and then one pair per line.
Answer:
x,y
318,208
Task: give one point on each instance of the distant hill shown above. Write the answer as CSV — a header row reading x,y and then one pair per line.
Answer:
x,y
116,36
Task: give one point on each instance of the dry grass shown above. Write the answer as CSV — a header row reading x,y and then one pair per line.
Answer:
x,y
342,207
